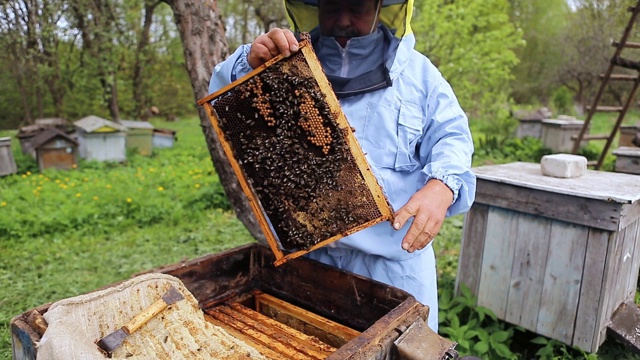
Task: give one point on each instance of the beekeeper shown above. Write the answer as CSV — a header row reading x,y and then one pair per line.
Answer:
x,y
407,120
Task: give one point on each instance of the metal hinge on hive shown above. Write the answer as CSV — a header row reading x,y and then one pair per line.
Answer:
x,y
295,155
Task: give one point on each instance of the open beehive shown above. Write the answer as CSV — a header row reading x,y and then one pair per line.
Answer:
x,y
295,155
299,310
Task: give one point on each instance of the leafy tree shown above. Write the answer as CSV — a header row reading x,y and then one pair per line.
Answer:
x,y
246,19
30,30
143,55
99,23
200,26
586,46
166,81
473,44
542,22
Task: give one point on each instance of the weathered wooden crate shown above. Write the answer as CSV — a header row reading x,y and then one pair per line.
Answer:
x,y
627,160
7,161
25,135
55,149
627,134
529,127
557,134
530,122
295,155
100,139
555,256
299,310
139,136
163,138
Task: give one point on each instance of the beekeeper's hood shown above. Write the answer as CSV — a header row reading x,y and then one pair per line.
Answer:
x,y
395,15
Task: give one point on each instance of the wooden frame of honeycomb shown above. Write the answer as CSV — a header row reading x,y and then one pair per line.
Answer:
x,y
295,155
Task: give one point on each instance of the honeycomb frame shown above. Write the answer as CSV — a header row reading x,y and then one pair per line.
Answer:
x,y
295,155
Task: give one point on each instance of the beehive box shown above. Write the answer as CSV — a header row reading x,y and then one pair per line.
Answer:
x,y
7,161
558,134
295,155
300,310
627,160
139,136
556,256
627,134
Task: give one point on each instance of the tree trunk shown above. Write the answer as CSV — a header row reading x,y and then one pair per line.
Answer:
x,y
204,44
96,23
114,107
142,60
24,97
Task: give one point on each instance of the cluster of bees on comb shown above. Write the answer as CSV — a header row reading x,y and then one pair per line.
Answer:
x,y
294,154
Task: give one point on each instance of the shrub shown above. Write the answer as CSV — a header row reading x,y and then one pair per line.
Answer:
x,y
563,100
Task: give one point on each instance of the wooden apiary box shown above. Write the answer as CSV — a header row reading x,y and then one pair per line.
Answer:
x,y
295,155
555,256
628,159
301,310
558,134
627,134
7,161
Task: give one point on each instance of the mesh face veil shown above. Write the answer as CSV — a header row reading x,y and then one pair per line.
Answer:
x,y
394,14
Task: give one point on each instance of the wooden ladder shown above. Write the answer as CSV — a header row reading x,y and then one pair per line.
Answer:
x,y
616,61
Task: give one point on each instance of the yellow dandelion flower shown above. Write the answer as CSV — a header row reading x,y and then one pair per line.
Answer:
x,y
28,173
72,184
3,204
24,176
108,186
39,188
74,166
129,200
66,179
41,176
57,181
160,188
197,186
78,194
95,197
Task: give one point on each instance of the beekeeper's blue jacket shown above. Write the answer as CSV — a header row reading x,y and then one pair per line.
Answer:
x,y
411,129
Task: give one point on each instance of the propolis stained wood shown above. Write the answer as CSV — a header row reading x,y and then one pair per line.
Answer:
x,y
295,155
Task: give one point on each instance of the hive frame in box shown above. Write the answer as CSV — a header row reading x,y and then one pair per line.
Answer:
x,y
332,113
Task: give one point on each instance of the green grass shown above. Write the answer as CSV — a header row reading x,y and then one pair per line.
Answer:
x,y
63,233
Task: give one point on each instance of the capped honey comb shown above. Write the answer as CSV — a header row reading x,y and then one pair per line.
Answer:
x,y
295,155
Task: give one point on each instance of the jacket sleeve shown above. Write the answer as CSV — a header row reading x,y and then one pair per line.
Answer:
x,y
447,147
234,67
